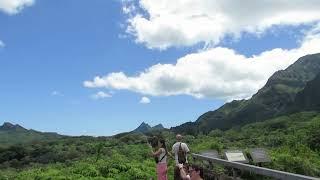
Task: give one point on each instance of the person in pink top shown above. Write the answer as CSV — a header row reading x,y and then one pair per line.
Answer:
x,y
161,159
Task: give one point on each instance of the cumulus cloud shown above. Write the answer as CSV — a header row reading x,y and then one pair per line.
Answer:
x,y
14,6
145,100
56,93
212,73
100,95
166,23
2,45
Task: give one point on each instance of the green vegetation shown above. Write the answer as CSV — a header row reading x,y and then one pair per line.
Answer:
x,y
292,141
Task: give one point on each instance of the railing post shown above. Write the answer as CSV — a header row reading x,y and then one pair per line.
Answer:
x,y
254,169
234,173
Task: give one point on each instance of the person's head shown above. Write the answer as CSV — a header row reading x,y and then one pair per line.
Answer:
x,y
162,143
179,137
186,168
195,172
177,173
153,141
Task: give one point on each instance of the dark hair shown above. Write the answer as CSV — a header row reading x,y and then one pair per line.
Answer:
x,y
153,141
198,168
177,173
163,142
163,145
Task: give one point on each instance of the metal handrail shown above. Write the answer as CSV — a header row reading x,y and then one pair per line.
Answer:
x,y
255,169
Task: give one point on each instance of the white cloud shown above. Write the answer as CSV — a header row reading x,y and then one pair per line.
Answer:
x,y
166,23
2,45
128,9
100,95
14,6
213,73
56,93
145,100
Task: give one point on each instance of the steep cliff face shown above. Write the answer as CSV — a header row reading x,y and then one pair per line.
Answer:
x,y
309,97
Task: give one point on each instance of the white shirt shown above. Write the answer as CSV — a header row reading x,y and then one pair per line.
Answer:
x,y
175,150
162,154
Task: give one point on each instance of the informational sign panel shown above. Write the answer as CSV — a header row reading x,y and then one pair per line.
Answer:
x,y
210,153
235,156
259,155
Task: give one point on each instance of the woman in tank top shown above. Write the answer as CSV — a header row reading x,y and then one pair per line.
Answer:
x,y
161,156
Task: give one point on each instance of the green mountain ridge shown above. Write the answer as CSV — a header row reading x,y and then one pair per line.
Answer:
x,y
144,128
9,127
274,99
11,134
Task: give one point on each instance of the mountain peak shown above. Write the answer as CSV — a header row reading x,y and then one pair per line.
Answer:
x,y
158,127
7,125
144,124
11,134
144,127
10,126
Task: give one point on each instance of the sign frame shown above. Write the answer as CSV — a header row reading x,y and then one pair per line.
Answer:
x,y
256,152
238,156
211,153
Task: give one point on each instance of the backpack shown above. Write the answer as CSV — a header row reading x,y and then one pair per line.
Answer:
x,y
181,155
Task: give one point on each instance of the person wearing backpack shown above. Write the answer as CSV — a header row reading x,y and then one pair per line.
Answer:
x,y
161,160
180,150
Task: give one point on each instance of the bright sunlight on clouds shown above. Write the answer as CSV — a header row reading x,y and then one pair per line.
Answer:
x,y
165,23
14,6
213,73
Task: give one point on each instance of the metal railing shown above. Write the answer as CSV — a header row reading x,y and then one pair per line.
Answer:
x,y
255,169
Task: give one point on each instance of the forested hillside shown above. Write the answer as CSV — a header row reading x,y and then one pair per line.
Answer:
x,y
292,141
309,97
14,134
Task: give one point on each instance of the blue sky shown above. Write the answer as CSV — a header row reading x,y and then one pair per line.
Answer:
x,y
83,67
